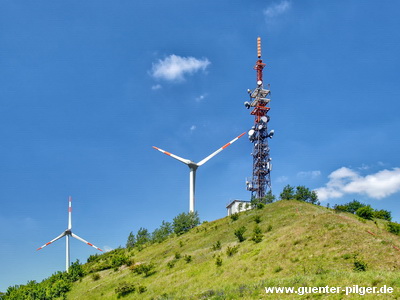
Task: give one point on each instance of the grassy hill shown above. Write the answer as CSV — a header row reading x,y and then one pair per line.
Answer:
x,y
302,245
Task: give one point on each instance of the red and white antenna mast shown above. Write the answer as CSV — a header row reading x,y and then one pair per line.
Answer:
x,y
260,184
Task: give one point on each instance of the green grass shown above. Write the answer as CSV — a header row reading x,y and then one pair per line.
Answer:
x,y
302,245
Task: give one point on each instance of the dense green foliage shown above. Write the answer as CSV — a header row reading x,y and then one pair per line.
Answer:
x,y
185,221
363,211
53,287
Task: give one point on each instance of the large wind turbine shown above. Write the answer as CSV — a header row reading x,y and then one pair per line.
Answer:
x,y
67,233
193,167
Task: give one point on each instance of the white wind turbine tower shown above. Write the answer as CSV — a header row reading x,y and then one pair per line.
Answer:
x,y
67,233
193,167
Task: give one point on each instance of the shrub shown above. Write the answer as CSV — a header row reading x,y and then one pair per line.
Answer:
x,y
177,255
383,214
95,276
142,289
146,269
257,219
234,216
216,246
269,228
359,266
365,212
124,289
171,264
232,250
278,269
188,258
239,233
218,261
393,228
257,234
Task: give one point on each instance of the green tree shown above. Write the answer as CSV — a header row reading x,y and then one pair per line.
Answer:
x,y
287,193
130,243
142,236
185,221
353,206
161,234
261,202
305,194
365,212
383,214
239,233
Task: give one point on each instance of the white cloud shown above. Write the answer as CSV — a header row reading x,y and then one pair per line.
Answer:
x,y
107,248
277,9
174,67
282,179
309,174
192,128
201,98
347,181
156,87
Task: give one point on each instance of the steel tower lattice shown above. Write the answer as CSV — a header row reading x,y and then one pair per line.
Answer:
x,y
260,183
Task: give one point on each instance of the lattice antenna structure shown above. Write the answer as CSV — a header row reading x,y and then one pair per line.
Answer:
x,y
259,101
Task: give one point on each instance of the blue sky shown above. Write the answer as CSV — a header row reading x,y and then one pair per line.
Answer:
x,y
87,88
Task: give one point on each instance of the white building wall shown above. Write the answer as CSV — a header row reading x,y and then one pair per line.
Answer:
x,y
233,207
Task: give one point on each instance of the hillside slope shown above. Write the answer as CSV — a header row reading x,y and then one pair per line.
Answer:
x,y
302,245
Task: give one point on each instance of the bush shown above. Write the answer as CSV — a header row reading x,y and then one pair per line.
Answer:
x,y
146,269
257,234
218,261
124,289
142,289
365,212
383,214
359,266
393,228
216,246
234,216
187,258
232,250
239,233
257,219
177,255
95,276
185,221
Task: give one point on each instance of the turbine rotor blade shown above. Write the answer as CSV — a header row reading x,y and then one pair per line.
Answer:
x,y
52,241
69,212
202,162
86,242
185,161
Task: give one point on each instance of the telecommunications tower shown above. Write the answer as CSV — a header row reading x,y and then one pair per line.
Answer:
x,y
260,183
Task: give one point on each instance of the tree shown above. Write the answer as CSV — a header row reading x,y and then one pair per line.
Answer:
x,y
383,214
185,221
261,202
239,233
287,193
353,206
142,236
161,234
304,194
365,212
130,243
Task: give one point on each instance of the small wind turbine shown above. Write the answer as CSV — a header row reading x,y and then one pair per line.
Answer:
x,y
193,167
67,233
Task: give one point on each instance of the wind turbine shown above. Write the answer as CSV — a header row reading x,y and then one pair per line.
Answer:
x,y
67,233
193,167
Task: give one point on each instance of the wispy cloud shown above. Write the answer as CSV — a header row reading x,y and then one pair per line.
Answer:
x,y
193,128
201,98
156,87
277,9
347,181
174,67
309,174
